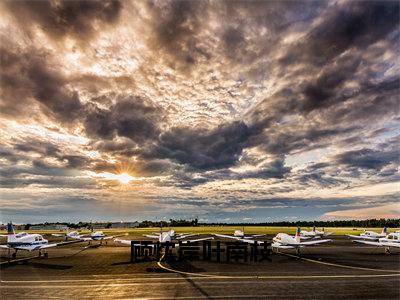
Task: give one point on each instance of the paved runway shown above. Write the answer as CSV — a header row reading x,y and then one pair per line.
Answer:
x,y
336,271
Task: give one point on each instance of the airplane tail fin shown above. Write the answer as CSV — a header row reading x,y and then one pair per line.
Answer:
x,y
10,233
384,230
297,237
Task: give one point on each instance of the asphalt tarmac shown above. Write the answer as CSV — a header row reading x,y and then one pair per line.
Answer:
x,y
340,270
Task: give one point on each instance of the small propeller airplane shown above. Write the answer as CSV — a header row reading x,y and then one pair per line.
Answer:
x,y
164,237
98,236
171,233
27,242
392,240
285,241
239,235
370,235
68,234
315,233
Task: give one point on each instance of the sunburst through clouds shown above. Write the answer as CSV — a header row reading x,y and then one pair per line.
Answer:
x,y
219,109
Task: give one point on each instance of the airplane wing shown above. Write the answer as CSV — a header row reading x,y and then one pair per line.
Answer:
x,y
198,240
363,237
151,236
35,247
4,247
378,244
257,235
238,239
314,242
58,234
226,236
249,241
128,243
182,236
281,246
368,243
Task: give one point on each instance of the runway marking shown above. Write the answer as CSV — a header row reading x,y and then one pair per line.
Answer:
x,y
275,276
338,265
74,286
286,276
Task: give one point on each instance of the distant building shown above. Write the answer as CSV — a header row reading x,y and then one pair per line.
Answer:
x,y
59,227
104,225
124,225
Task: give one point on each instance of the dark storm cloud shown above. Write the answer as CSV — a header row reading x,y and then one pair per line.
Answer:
x,y
277,141
26,75
327,86
319,179
374,101
202,149
37,146
130,117
58,19
356,24
176,24
369,158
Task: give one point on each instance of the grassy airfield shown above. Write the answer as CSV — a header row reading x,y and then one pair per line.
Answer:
x,y
219,229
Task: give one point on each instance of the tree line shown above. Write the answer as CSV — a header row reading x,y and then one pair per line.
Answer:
x,y
391,223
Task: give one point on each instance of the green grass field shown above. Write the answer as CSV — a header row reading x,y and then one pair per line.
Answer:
x,y
222,230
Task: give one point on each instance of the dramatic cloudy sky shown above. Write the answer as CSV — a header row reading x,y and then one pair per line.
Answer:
x,y
221,110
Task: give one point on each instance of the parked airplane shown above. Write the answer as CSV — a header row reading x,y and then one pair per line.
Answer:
x,y
98,236
171,233
72,235
164,237
370,235
392,240
239,235
28,242
314,233
285,241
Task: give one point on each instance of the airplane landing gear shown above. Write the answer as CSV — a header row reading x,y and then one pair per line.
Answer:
x,y
298,251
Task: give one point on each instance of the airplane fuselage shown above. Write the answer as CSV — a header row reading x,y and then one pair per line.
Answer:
x,y
284,239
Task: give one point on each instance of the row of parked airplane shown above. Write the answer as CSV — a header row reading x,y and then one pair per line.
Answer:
x,y
31,242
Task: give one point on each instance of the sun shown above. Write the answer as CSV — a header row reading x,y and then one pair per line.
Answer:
x,y
122,177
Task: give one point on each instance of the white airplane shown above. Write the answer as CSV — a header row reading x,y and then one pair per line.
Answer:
x,y
26,241
171,233
98,236
370,235
164,237
315,233
72,235
392,240
285,241
239,235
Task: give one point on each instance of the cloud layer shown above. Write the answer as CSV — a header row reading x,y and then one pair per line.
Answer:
x,y
215,107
